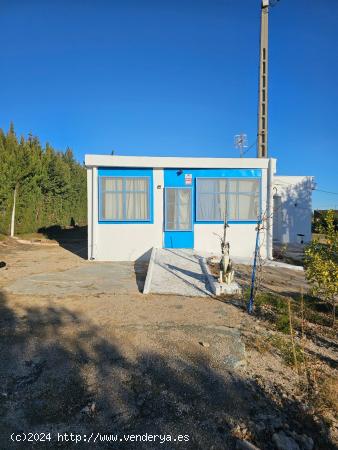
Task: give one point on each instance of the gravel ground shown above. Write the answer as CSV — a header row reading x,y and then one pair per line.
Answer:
x,y
132,364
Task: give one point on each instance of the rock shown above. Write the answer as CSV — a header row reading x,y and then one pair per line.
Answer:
x,y
268,421
303,440
89,409
264,416
276,423
259,427
293,434
85,410
306,442
204,344
284,442
234,362
142,398
245,445
93,408
237,430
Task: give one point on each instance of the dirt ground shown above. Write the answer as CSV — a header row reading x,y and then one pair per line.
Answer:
x,y
126,363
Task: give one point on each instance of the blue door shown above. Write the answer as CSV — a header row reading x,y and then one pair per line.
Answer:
x,y
178,231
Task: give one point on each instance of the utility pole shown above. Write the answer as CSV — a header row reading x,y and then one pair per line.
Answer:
x,y
262,148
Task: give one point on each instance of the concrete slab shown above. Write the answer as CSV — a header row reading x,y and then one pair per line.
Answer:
x,y
219,288
90,278
249,261
178,271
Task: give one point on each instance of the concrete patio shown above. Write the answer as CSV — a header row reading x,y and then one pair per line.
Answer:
x,y
88,279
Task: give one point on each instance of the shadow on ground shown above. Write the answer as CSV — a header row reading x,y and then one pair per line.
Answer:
x,y
73,239
57,365
140,269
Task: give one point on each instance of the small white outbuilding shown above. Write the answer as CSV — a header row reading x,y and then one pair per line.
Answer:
x,y
136,203
292,216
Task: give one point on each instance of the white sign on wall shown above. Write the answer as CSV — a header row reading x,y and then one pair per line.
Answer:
x,y
188,178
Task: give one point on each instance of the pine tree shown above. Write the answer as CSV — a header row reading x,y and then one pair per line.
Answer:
x,y
47,187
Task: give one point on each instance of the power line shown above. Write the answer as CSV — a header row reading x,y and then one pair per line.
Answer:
x,y
281,183
326,192
250,147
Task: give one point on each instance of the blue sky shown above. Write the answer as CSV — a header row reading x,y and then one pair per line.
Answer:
x,y
177,77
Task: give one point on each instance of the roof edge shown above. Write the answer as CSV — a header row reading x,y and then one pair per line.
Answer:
x,y
174,162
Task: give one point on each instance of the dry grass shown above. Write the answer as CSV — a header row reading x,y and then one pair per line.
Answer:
x,y
32,236
319,237
328,393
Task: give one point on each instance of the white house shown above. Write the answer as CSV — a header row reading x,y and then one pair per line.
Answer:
x,y
136,203
292,209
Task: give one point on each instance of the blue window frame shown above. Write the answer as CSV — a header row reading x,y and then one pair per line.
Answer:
x,y
125,199
239,198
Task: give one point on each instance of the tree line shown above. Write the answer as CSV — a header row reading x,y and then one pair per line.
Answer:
x,y
39,186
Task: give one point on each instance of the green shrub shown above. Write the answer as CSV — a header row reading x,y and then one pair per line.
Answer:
x,y
321,264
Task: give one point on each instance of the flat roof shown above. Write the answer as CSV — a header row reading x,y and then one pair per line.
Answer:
x,y
161,162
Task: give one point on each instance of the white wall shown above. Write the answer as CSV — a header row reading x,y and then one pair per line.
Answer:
x,y
128,242
89,209
241,236
293,208
242,239
92,210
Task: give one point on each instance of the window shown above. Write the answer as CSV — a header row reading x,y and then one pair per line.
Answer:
x,y
178,209
239,197
124,199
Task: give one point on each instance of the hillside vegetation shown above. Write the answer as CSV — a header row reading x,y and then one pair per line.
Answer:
x,y
49,185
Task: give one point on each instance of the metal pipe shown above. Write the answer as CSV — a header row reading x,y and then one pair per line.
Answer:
x,y
269,211
94,210
253,276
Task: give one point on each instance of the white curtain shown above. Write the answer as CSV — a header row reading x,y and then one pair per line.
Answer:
x,y
211,199
124,198
136,198
248,207
111,184
222,205
206,205
239,198
184,202
111,198
112,206
171,209
233,188
178,209
249,186
244,199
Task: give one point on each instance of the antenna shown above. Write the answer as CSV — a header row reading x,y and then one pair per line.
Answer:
x,y
241,142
